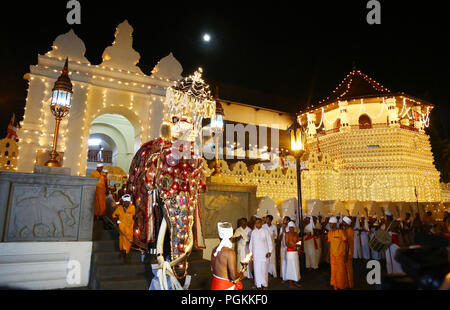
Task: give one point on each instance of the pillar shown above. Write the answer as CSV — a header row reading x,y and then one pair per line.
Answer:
x,y
392,113
311,124
343,115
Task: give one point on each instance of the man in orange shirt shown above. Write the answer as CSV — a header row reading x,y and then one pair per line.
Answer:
x,y
125,216
338,255
348,228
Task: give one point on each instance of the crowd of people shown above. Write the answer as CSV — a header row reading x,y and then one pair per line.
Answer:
x,y
334,241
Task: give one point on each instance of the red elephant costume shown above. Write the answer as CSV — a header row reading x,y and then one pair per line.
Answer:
x,y
178,182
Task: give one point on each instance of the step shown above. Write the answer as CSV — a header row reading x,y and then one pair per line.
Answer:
x,y
109,272
105,246
112,257
104,235
132,283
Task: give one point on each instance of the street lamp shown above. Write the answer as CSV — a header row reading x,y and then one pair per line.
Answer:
x,y
60,107
217,127
297,137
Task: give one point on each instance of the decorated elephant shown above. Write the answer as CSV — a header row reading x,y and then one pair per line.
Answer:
x,y
166,177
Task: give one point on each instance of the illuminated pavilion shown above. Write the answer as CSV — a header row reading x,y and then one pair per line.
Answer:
x,y
368,151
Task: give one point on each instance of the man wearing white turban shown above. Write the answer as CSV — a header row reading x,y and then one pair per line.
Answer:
x,y
223,262
311,246
338,255
242,238
349,232
291,260
261,247
282,238
273,234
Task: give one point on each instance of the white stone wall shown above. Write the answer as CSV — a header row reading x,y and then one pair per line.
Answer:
x,y
44,265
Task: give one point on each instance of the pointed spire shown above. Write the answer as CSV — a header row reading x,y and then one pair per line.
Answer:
x,y
65,70
63,82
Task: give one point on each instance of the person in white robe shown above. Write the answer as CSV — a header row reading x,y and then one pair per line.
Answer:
x,y
318,238
273,234
291,261
284,229
310,245
261,247
242,237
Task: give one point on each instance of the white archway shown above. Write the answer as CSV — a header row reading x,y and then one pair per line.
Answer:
x,y
122,132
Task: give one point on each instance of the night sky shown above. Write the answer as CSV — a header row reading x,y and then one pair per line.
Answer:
x,y
299,52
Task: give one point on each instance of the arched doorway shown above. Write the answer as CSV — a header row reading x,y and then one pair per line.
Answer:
x,y
365,122
112,141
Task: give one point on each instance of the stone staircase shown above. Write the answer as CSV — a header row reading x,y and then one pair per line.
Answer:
x,y
108,272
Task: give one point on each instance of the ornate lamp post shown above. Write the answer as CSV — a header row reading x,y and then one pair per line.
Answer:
x,y
60,107
297,137
217,127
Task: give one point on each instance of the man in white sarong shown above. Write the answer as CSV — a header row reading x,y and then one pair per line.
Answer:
x,y
291,261
273,234
311,246
261,247
242,237
284,229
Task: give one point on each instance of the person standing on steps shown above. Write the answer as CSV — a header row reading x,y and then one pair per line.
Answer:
x,y
125,214
100,191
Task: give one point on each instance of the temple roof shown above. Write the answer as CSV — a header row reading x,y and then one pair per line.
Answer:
x,y
356,85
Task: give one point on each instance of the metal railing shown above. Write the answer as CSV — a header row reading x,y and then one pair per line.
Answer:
x,y
93,157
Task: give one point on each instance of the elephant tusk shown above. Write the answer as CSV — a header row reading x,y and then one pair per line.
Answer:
x,y
160,243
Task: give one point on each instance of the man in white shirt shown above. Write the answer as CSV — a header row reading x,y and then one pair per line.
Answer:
x,y
242,237
261,247
273,234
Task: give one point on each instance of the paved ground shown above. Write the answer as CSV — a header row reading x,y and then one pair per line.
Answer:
x,y
318,280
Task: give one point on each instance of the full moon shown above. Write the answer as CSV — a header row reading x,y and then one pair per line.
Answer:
x,y
206,37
